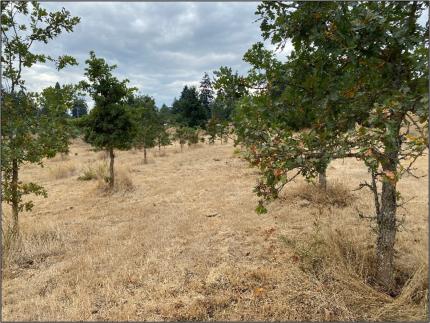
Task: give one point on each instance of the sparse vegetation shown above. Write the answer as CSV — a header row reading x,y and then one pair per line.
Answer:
x,y
63,170
177,238
320,255
123,183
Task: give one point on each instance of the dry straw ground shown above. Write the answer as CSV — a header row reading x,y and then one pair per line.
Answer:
x,y
179,240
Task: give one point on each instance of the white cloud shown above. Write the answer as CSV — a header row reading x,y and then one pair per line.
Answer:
x,y
159,47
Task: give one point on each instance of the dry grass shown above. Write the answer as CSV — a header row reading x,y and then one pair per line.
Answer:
x,y
62,170
34,246
102,155
122,183
94,171
186,244
336,194
60,157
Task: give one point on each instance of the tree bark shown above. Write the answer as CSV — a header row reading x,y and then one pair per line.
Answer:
x,y
15,199
322,178
112,173
386,218
144,156
387,230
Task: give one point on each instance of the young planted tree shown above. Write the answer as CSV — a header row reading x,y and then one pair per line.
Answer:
x,y
181,136
211,130
147,122
25,132
109,125
162,137
374,107
192,136
222,130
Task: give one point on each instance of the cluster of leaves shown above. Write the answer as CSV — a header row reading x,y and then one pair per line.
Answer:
x,y
33,126
23,25
352,104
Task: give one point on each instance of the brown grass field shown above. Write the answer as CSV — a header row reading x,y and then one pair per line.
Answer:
x,y
179,240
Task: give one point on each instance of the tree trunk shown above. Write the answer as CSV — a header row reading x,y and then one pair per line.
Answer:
x,y
322,179
112,173
15,201
386,217
144,156
387,230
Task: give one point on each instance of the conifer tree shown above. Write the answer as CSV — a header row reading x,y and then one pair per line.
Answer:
x,y
206,94
189,109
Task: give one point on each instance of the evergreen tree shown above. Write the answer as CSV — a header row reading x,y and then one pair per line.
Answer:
x,y
189,109
80,108
206,94
166,115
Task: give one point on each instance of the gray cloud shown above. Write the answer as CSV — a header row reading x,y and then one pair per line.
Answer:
x,y
159,47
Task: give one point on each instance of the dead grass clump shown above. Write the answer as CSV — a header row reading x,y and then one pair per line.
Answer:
x,y
123,183
345,262
63,171
32,247
336,194
10,245
412,302
99,171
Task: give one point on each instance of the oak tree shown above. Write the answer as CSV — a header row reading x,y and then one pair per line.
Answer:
x,y
25,132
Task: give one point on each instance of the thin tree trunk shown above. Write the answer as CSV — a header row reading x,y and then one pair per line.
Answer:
x,y
387,230
15,209
112,173
322,179
144,156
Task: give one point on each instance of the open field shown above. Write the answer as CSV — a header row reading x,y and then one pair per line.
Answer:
x,y
180,240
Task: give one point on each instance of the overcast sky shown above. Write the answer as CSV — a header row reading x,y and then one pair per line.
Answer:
x,y
159,47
